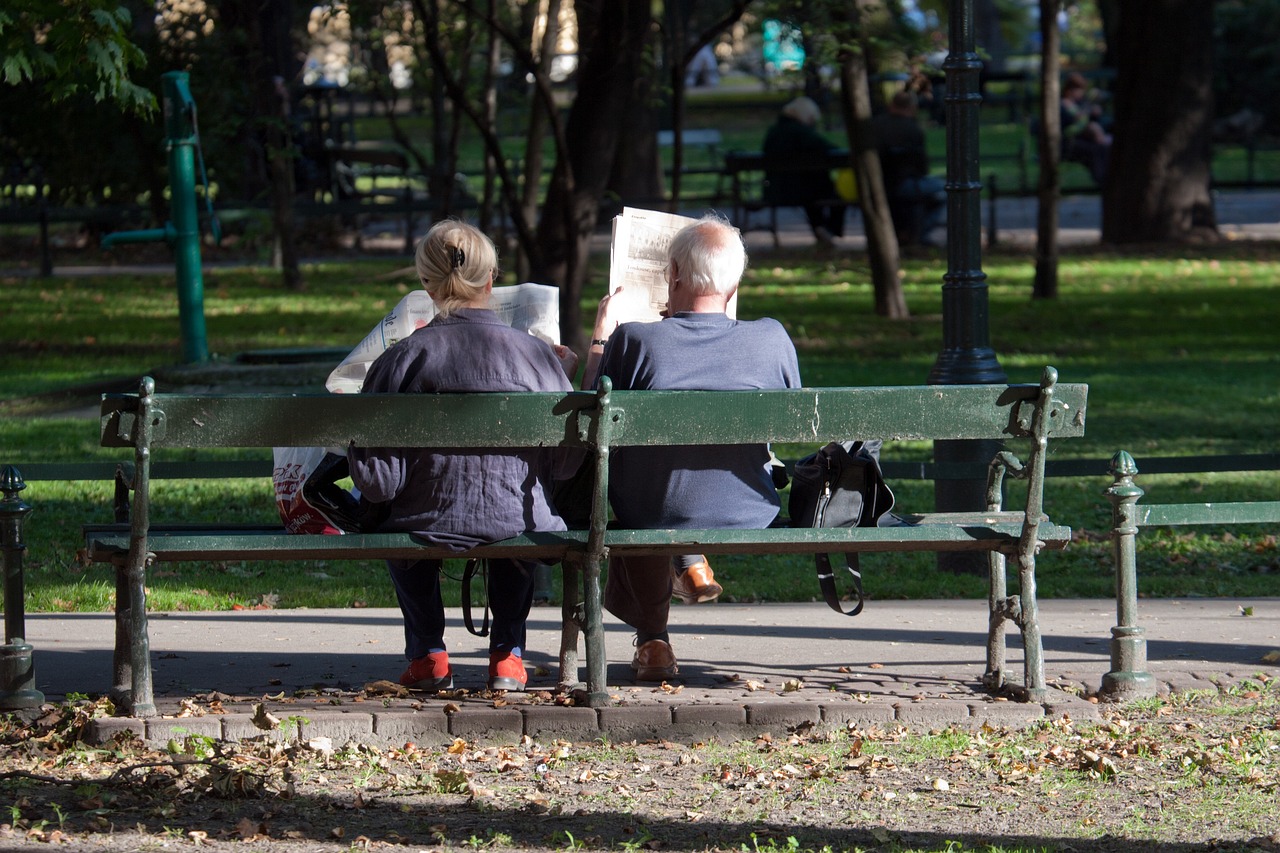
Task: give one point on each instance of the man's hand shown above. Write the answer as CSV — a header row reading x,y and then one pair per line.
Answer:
x,y
617,308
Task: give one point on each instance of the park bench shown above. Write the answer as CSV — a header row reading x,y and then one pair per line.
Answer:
x,y
598,422
749,189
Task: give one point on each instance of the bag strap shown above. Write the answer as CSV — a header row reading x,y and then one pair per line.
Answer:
x,y
473,568
827,580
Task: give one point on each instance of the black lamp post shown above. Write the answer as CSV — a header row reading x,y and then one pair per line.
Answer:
x,y
966,357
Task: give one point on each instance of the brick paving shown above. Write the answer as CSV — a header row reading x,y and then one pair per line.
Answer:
x,y
746,669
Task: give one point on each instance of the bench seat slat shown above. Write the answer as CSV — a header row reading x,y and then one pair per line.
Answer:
x,y
940,531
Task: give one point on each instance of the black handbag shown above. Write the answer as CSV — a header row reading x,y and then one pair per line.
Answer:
x,y
841,486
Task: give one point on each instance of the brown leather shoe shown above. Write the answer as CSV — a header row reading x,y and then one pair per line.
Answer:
x,y
696,584
654,661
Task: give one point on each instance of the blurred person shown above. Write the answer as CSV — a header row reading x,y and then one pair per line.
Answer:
x,y
794,139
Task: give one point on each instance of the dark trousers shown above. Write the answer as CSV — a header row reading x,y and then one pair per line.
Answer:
x,y
828,216
417,585
638,591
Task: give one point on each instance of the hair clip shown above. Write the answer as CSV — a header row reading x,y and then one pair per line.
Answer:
x,y
456,257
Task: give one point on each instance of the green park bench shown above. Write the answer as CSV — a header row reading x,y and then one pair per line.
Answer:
x,y
597,422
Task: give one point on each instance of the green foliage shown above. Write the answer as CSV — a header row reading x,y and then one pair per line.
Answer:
x,y
72,47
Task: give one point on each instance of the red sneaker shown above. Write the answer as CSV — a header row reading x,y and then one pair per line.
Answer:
x,y
430,672
506,671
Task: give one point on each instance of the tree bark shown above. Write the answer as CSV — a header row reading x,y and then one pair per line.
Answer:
x,y
882,242
596,123
1158,185
1049,188
265,47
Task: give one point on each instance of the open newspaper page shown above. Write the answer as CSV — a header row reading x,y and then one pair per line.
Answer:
x,y
638,261
533,308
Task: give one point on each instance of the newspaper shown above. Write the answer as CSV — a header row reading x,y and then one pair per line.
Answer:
x,y
638,262
534,308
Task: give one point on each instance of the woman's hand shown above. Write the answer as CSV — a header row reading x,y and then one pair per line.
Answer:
x,y
568,360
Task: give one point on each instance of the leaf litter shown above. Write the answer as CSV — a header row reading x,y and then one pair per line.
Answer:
x,y
1192,769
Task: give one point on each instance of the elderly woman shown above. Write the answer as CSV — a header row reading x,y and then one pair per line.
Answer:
x,y
462,498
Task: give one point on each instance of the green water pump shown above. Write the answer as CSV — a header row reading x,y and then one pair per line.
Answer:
x,y
182,232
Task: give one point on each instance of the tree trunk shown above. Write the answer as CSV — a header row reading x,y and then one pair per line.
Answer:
x,y
595,126
882,241
1049,188
1158,184
265,46
536,134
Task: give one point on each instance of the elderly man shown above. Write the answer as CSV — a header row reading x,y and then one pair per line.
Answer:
x,y
695,346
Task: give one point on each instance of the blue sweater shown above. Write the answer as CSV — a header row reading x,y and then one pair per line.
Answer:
x,y
703,486
463,498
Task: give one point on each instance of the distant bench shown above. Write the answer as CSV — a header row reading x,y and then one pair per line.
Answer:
x,y
750,191
596,423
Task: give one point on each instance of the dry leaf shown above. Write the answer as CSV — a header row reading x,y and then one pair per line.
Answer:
x,y
1271,657
264,719
385,688
791,685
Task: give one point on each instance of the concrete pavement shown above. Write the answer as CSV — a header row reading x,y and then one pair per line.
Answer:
x,y
744,669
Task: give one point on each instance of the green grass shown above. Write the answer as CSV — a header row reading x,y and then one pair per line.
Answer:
x,y
1177,345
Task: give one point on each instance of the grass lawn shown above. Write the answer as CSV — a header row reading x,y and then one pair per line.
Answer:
x,y
1177,344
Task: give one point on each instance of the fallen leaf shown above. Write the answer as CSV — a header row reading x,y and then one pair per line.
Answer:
x,y
1271,657
264,719
385,688
791,685
198,836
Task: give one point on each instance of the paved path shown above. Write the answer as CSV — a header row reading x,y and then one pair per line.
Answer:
x,y
914,662
1242,215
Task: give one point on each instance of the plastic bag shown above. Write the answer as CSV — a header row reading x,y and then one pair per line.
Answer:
x,y
307,494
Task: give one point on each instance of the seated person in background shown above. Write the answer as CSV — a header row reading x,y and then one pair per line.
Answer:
x,y
696,346
462,498
917,200
794,138
1084,140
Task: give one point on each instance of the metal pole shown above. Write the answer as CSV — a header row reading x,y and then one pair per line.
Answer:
x,y
1128,678
180,139
966,357
17,668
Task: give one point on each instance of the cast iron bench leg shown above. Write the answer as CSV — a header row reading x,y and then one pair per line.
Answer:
x,y
570,621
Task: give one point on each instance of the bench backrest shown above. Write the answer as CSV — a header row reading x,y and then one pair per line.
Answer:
x,y
819,415
595,421
369,420
541,419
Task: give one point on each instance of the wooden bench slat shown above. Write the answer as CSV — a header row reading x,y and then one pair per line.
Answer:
x,y
527,419
819,415
930,532
1257,512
